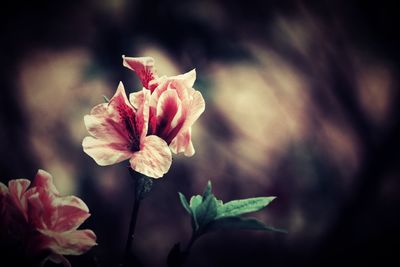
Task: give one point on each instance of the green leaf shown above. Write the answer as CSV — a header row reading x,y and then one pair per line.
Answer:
x,y
195,201
207,190
106,99
184,202
242,206
239,223
206,212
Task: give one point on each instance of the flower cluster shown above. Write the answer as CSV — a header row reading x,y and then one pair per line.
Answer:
x,y
42,220
149,125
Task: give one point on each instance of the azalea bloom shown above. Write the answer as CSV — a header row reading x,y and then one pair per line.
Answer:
x,y
173,106
44,221
120,132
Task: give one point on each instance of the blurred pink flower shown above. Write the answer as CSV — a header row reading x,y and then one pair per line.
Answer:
x,y
120,131
173,106
43,220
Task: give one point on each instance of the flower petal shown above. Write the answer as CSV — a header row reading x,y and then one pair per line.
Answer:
x,y
107,121
142,114
154,158
51,212
144,69
170,115
163,84
3,189
44,180
187,78
40,208
68,213
136,98
195,105
182,143
105,153
119,98
70,243
17,189
107,128
4,194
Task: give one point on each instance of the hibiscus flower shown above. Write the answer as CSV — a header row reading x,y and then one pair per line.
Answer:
x,y
43,220
120,132
174,104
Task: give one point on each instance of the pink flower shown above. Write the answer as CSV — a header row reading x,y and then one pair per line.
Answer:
x,y
44,220
173,106
120,132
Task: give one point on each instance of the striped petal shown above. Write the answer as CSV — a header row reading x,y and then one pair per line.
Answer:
x,y
144,69
182,143
104,152
17,189
154,158
69,243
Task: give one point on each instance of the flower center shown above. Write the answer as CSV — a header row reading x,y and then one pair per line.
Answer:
x,y
128,118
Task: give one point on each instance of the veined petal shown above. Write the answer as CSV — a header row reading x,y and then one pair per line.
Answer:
x,y
74,242
182,143
163,84
170,116
105,153
50,212
154,158
187,78
45,180
181,83
109,121
4,193
142,114
71,201
119,97
144,69
106,128
38,213
136,98
17,189
68,213
196,106
3,189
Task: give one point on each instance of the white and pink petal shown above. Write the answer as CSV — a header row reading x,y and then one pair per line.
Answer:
x,y
74,242
44,180
144,69
68,213
183,143
142,115
3,189
17,189
154,158
170,115
104,152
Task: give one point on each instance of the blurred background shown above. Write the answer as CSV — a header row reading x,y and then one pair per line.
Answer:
x,y
302,103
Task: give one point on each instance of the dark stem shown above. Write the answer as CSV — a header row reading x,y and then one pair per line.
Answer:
x,y
132,226
176,257
143,186
190,244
